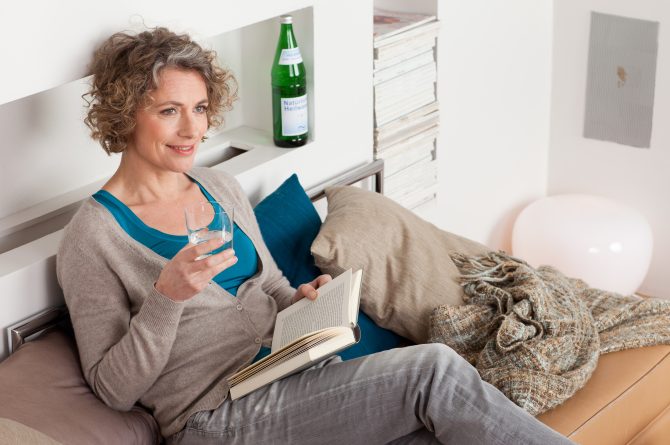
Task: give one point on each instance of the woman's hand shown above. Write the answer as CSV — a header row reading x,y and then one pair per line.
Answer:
x,y
309,290
184,276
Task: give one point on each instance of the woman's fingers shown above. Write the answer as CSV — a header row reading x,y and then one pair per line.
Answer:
x,y
305,291
206,269
321,280
186,275
309,290
215,264
192,252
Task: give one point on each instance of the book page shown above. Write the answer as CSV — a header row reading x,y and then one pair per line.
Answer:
x,y
296,347
295,359
331,308
297,344
356,281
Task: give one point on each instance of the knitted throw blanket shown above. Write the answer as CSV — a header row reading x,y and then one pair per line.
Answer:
x,y
536,334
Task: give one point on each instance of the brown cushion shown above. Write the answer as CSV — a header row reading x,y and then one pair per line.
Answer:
x,y
407,271
628,393
42,387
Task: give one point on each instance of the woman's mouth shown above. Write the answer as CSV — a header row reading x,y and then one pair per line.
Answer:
x,y
182,149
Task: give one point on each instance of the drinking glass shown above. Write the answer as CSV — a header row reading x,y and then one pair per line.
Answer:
x,y
209,220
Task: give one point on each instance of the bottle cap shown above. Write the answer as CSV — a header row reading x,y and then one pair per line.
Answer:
x,y
286,19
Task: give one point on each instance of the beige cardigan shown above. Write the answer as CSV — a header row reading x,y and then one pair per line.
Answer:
x,y
137,345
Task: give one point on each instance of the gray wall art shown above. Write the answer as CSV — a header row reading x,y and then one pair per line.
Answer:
x,y
621,78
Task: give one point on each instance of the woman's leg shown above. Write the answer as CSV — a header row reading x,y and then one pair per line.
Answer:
x,y
372,400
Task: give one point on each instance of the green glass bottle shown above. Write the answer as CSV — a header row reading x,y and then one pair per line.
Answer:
x,y
289,90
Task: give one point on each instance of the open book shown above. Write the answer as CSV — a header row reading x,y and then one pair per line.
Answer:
x,y
305,333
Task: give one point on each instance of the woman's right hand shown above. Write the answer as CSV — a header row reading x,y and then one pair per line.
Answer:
x,y
184,276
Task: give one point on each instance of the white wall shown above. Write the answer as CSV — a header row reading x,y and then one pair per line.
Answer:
x,y
46,46
494,65
494,89
634,176
45,149
494,62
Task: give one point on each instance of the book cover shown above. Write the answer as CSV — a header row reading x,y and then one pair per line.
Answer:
x,y
409,82
405,102
411,132
419,175
387,137
390,101
389,23
407,42
425,113
425,58
408,53
417,197
395,162
422,138
387,114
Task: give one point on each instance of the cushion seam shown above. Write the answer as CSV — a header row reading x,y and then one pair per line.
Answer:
x,y
628,389
659,416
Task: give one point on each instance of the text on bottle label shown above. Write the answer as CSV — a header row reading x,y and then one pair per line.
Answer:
x,y
290,56
294,115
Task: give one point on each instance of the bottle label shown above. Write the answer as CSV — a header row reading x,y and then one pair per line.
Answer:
x,y
294,115
290,56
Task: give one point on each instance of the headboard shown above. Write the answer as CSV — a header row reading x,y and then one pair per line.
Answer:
x,y
374,168
20,332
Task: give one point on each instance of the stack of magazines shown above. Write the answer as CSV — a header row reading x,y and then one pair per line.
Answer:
x,y
406,109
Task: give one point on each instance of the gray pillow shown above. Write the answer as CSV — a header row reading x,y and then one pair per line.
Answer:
x,y
407,271
42,388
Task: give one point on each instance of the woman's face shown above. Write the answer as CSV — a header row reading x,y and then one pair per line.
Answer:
x,y
169,129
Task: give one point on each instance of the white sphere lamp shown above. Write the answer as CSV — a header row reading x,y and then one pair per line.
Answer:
x,y
603,242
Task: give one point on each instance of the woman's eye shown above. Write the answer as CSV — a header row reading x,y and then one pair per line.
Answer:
x,y
201,109
169,111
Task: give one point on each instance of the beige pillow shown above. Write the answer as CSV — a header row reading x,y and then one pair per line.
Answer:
x,y
42,388
407,271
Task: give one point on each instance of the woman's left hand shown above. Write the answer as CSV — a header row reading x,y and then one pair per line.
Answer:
x,y
309,290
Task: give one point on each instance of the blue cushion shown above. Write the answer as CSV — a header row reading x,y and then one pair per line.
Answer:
x,y
289,223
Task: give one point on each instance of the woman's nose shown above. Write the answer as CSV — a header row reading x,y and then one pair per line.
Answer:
x,y
188,125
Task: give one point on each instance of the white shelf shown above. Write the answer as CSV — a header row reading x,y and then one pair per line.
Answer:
x,y
258,145
235,151
56,193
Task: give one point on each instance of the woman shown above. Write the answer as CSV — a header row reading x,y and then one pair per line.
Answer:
x,y
159,327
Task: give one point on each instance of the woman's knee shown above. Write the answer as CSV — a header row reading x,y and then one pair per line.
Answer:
x,y
437,355
429,356
438,350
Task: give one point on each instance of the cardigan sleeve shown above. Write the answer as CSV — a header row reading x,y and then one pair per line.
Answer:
x,y
121,354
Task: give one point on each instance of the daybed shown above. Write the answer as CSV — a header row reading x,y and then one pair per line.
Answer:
x,y
44,398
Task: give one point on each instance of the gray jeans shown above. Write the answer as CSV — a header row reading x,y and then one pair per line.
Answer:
x,y
418,394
